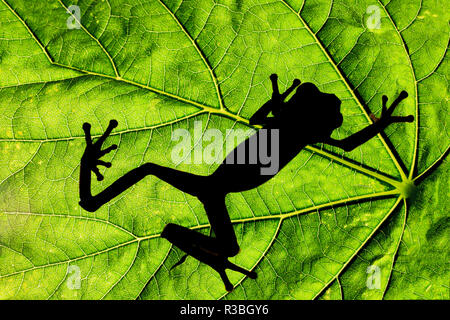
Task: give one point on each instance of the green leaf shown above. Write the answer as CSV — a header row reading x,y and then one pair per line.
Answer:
x,y
160,65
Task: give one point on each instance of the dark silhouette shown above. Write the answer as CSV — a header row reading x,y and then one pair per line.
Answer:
x,y
310,116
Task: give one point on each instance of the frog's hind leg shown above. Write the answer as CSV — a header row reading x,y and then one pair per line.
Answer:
x,y
214,251
225,242
208,189
220,222
206,249
187,182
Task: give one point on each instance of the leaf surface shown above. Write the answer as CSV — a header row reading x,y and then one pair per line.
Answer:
x,y
156,66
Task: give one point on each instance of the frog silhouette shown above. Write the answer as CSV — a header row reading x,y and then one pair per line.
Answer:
x,y
309,116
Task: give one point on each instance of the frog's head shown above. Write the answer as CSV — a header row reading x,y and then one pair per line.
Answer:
x,y
318,112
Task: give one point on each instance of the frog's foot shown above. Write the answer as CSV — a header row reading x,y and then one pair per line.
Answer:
x,y
203,248
386,113
93,152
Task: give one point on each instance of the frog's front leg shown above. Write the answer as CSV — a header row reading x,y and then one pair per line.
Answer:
x,y
372,130
274,105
